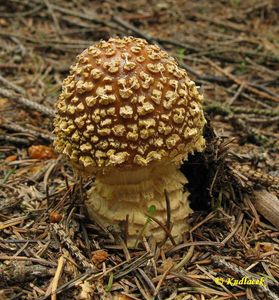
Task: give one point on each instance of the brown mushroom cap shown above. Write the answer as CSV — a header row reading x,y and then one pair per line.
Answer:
x,y
126,104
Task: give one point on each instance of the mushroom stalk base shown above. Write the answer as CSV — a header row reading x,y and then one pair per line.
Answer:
x,y
120,196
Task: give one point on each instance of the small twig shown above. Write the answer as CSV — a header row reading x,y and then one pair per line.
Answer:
x,y
126,229
258,102
197,243
240,218
178,44
236,95
185,259
16,140
134,30
57,276
145,295
157,289
168,222
28,103
19,128
147,280
168,233
60,232
132,265
81,15
12,85
262,68
256,7
246,85
227,24
55,20
71,283
32,259
22,14
206,219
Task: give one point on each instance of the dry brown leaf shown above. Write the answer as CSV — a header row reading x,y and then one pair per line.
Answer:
x,y
99,256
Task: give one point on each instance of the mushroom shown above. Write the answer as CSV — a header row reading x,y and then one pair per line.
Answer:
x,y
128,116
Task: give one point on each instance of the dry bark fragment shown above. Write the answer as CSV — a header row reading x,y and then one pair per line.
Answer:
x,y
267,205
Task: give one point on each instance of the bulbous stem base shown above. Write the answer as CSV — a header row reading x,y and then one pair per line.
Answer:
x,y
120,196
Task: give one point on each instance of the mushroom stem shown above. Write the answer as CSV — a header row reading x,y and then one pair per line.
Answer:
x,y
118,194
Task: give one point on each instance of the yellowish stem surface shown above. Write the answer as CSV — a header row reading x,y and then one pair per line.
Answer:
x,y
117,195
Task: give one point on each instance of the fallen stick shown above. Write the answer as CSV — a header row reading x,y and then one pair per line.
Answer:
x,y
267,205
27,103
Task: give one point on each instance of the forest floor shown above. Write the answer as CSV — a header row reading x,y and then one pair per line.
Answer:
x,y
48,247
